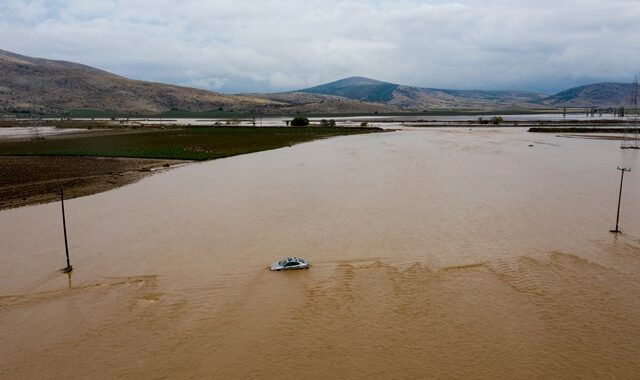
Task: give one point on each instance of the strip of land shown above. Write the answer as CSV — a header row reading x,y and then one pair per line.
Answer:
x,y
34,170
583,130
36,179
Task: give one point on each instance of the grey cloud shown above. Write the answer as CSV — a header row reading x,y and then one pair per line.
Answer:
x,y
278,45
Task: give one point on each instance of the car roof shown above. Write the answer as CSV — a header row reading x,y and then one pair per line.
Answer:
x,y
298,259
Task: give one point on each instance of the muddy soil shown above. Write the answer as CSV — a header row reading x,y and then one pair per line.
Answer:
x,y
32,180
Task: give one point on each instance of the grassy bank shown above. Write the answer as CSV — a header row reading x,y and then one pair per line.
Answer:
x,y
182,144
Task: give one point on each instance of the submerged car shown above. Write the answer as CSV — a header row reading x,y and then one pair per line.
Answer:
x,y
290,263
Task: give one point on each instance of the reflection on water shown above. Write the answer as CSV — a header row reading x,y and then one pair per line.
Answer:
x,y
435,253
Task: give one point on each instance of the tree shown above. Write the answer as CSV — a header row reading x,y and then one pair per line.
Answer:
x,y
327,123
300,121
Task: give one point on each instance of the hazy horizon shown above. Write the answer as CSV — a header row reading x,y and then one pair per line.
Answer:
x,y
276,46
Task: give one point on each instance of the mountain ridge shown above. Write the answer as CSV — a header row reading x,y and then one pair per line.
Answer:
x,y
46,85
417,98
42,86
360,88
603,94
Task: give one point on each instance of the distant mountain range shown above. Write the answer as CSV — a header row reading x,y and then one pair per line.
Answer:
x,y
48,86
592,95
417,98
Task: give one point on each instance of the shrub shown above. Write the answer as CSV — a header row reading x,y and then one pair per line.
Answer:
x,y
327,123
300,121
497,120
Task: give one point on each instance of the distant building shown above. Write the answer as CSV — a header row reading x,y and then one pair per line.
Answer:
x,y
8,117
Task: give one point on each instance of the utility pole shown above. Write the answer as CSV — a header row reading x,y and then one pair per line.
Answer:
x,y
68,268
622,170
635,132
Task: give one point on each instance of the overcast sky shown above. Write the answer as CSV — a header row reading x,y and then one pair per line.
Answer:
x,y
279,45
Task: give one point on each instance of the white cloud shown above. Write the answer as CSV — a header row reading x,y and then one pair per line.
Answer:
x,y
275,45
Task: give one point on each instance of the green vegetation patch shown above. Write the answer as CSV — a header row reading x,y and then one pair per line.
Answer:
x,y
186,144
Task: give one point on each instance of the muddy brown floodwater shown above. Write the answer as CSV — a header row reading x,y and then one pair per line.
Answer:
x,y
435,253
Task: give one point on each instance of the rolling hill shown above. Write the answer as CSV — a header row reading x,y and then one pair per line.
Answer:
x,y
592,95
417,98
359,88
43,86
309,103
600,95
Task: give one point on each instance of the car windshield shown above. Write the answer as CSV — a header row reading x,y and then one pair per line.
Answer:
x,y
290,261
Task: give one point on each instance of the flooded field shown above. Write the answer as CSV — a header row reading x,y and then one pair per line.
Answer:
x,y
435,253
23,133
381,121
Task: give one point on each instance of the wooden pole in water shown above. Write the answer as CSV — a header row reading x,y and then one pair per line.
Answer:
x,y
622,170
68,268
